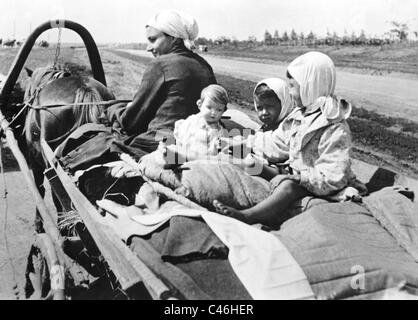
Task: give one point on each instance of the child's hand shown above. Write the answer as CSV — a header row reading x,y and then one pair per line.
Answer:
x,y
162,148
116,127
122,169
170,154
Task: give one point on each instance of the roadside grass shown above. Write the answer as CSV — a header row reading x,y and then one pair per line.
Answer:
x,y
371,59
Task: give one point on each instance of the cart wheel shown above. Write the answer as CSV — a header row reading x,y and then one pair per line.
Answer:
x,y
45,277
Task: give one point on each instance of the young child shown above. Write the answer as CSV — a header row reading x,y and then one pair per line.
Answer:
x,y
198,136
272,102
314,140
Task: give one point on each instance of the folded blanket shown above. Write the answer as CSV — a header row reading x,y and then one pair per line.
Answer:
x,y
345,251
191,239
398,215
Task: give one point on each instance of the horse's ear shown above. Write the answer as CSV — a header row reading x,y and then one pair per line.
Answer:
x,y
29,72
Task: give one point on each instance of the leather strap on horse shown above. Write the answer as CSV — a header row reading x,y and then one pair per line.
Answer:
x,y
29,102
99,103
25,105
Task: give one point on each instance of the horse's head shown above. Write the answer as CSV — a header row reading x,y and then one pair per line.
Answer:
x,y
39,78
60,103
46,86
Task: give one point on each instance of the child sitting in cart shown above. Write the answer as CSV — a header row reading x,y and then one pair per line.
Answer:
x,y
198,136
314,140
273,103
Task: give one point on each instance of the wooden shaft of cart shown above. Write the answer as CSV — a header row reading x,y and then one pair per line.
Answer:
x,y
126,266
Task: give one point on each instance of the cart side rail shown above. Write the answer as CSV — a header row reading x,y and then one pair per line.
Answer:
x,y
127,267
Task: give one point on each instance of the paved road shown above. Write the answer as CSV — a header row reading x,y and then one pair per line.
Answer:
x,y
385,94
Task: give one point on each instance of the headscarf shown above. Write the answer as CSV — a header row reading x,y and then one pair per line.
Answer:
x,y
176,24
316,75
281,90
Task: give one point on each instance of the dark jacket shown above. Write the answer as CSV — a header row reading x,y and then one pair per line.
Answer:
x,y
169,89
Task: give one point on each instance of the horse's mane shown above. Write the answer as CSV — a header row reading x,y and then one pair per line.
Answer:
x,y
88,113
84,106
41,77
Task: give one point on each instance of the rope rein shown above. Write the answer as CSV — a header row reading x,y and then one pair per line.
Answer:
x,y
26,105
58,48
99,103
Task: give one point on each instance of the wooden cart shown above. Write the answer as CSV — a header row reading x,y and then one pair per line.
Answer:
x,y
124,268
131,275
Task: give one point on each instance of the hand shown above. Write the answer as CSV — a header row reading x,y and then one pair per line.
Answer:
x,y
116,126
121,169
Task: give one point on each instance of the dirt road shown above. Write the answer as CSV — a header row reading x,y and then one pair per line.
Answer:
x,y
16,233
388,95
17,212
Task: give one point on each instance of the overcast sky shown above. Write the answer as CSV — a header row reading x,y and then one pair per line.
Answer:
x,y
124,20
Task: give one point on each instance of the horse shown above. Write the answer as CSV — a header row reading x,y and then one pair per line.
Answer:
x,y
57,104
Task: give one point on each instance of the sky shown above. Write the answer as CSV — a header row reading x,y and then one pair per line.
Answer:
x,y
124,20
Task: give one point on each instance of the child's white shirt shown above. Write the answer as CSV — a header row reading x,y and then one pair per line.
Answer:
x,y
196,138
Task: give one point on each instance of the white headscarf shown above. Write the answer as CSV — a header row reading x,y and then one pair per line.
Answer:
x,y
316,75
176,24
281,90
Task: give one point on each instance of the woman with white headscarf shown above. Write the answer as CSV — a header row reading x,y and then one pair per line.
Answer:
x,y
170,86
314,140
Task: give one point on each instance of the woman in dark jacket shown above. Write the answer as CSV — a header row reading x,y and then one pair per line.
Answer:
x,y
170,86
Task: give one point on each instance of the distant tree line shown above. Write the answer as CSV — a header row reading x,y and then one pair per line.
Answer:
x,y
331,39
398,33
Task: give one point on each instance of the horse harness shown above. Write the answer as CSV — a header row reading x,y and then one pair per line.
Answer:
x,y
60,74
